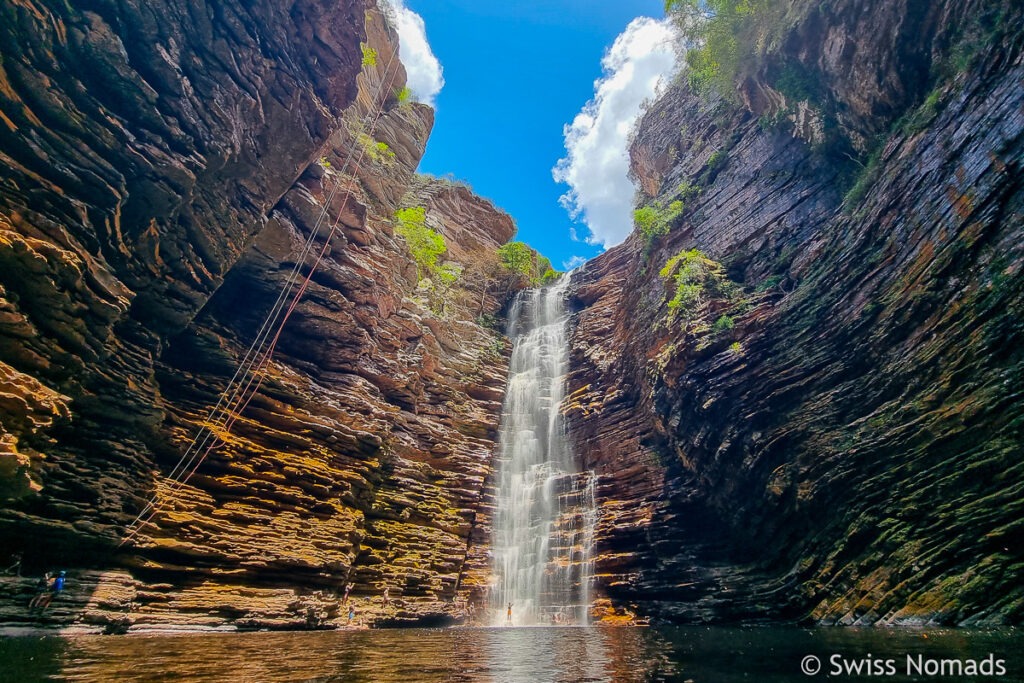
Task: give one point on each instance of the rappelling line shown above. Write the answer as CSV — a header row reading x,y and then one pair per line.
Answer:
x,y
231,390
264,362
229,416
257,345
247,361
232,415
258,342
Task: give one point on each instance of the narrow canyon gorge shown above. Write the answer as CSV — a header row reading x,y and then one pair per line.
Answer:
x,y
796,398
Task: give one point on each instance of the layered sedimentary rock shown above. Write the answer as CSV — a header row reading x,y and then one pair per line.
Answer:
x,y
143,145
836,436
150,222
827,428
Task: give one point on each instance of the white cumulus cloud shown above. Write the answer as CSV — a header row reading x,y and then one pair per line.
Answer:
x,y
596,164
426,77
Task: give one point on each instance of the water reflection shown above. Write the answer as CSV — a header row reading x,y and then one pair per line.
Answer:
x,y
490,654
564,654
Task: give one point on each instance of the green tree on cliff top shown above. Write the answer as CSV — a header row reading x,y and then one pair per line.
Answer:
x,y
726,38
519,258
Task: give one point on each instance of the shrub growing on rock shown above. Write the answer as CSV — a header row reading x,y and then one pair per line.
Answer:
x,y
697,278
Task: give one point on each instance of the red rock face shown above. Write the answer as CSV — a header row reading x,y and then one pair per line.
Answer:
x,y
149,243
842,449
136,149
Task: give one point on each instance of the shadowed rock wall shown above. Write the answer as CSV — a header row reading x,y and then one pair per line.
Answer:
x,y
844,447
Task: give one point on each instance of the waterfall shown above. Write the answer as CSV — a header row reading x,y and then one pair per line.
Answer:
x,y
545,509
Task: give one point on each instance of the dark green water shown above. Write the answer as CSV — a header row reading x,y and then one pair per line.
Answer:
x,y
514,654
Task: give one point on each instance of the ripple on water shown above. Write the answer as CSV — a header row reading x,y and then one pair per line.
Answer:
x,y
486,654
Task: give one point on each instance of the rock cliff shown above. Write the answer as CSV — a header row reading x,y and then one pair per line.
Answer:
x,y
166,163
817,414
802,401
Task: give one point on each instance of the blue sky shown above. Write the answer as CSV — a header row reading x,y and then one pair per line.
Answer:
x,y
514,74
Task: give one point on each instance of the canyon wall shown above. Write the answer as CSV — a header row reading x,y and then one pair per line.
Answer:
x,y
817,415
166,163
827,428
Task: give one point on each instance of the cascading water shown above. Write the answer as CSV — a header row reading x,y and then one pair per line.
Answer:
x,y
546,514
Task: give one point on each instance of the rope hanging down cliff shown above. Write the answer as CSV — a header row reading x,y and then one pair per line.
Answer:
x,y
251,372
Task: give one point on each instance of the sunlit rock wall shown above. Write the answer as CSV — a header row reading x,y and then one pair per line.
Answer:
x,y
164,171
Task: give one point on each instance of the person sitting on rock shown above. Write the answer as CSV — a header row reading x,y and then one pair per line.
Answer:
x,y
42,589
55,589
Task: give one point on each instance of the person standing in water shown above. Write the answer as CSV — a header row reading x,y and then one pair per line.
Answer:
x,y
351,613
509,620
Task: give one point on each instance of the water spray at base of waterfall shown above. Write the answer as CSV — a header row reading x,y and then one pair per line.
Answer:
x,y
546,511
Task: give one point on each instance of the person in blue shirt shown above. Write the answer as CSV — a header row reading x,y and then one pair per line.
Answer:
x,y
55,589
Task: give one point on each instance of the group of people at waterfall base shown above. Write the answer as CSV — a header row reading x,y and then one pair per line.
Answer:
x,y
557,618
47,587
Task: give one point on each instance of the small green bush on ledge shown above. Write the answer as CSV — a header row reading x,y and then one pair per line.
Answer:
x,y
651,223
426,247
655,220
723,324
369,55
376,150
424,244
697,279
